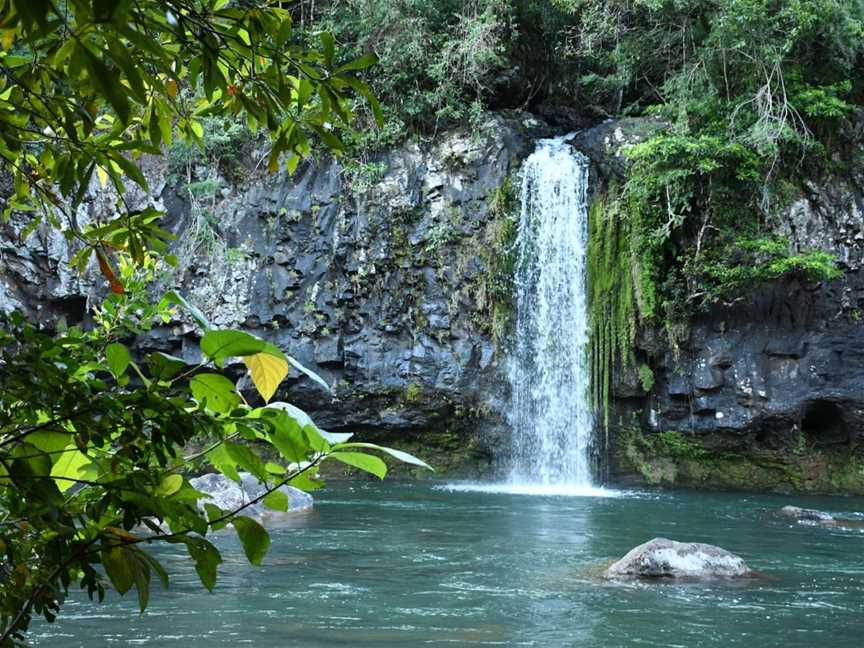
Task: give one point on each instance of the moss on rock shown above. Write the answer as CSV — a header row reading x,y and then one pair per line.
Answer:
x,y
678,459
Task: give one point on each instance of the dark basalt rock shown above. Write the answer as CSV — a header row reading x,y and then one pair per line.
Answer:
x,y
376,278
777,375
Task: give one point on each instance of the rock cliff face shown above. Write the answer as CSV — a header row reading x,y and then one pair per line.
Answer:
x,y
391,279
386,278
766,393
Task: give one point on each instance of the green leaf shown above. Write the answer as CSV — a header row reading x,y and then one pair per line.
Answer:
x,y
154,564
169,485
172,296
218,345
30,462
306,481
361,63
215,513
329,46
117,356
245,457
253,537
72,465
163,366
51,443
227,456
216,391
207,558
277,500
142,585
120,568
287,438
398,454
106,82
367,462
308,425
130,169
221,460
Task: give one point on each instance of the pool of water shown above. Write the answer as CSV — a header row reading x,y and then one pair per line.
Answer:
x,y
415,564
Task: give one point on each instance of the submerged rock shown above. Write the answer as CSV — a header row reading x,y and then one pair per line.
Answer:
x,y
229,495
808,515
663,558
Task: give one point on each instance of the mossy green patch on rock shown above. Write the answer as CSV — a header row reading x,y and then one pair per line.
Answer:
x,y
679,459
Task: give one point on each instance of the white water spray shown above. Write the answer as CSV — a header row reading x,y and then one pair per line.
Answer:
x,y
551,416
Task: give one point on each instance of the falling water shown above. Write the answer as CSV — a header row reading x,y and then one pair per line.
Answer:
x,y
551,417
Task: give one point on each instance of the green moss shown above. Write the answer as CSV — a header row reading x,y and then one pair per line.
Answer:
x,y
646,377
612,304
674,458
499,255
413,393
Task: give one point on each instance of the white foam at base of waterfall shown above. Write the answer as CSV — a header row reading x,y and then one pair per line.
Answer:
x,y
530,488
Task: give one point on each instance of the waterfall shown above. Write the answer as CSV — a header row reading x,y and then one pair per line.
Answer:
x,y
551,417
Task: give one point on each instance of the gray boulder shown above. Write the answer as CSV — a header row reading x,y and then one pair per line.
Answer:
x,y
662,558
229,495
811,516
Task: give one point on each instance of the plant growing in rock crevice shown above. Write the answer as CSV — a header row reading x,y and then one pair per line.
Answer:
x,y
499,256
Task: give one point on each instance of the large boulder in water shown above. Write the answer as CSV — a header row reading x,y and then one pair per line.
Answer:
x,y
662,558
229,495
810,516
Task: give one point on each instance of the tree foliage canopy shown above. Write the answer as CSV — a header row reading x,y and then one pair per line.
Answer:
x,y
88,86
94,438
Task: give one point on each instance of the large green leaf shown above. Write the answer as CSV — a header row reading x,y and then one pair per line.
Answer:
x,y
120,568
363,461
277,500
306,481
169,485
218,345
107,83
163,366
398,454
117,356
50,442
206,557
216,391
253,537
307,424
227,456
173,297
220,458
72,465
287,437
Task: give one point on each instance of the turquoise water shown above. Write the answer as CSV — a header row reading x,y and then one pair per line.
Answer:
x,y
410,564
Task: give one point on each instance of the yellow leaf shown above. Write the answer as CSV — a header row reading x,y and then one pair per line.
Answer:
x,y
123,535
171,89
103,176
267,372
8,38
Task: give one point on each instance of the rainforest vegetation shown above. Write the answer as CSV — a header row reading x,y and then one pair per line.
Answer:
x,y
751,98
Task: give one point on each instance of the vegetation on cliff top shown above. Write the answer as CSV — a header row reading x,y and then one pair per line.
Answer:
x,y
757,96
